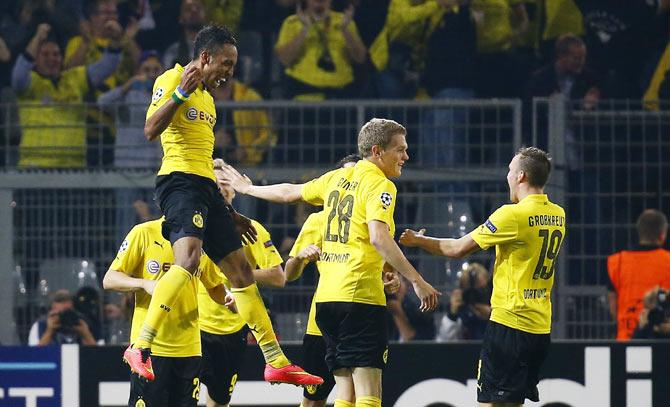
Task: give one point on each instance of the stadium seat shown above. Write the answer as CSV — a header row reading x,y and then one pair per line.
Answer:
x,y
66,273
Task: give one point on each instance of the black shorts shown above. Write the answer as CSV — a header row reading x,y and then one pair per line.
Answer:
x,y
177,383
193,206
221,360
314,362
355,334
509,364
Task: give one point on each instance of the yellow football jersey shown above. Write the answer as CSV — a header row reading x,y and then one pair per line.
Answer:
x,y
218,319
349,265
310,233
188,141
146,254
527,237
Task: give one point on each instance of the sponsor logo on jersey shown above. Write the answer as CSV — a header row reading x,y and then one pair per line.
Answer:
x,y
490,226
194,114
198,221
153,266
268,243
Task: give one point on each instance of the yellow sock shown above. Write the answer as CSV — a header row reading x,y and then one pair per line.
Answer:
x,y
342,403
252,310
368,401
165,295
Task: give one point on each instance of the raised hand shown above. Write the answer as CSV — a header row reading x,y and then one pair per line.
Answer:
x,y
305,18
410,238
190,79
348,16
240,183
42,31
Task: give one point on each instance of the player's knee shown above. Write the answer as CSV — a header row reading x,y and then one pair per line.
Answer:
x,y
189,260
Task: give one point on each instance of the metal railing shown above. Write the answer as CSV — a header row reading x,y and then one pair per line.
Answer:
x,y
608,166
611,160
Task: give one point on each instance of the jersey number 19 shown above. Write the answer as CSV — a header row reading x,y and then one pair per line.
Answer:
x,y
550,246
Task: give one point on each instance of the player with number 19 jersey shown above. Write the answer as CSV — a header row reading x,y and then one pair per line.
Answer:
x,y
349,264
527,236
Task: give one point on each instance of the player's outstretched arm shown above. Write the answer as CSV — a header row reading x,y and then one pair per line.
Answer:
x,y
296,265
381,239
456,248
117,281
271,277
278,193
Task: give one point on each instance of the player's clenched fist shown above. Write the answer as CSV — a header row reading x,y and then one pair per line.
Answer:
x,y
190,79
427,294
309,253
410,238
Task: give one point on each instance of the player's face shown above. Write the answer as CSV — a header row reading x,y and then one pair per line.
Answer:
x,y
393,157
513,178
218,67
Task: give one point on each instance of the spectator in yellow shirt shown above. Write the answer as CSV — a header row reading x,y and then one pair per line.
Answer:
x,y
501,26
42,93
399,51
245,135
319,47
88,47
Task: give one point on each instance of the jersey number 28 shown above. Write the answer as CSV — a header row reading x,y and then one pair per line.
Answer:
x,y
343,209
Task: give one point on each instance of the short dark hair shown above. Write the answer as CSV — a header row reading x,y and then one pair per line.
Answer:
x,y
92,7
351,158
536,164
211,38
651,224
565,42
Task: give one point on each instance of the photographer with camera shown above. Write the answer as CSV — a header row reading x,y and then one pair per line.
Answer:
x,y
634,272
62,324
654,320
470,306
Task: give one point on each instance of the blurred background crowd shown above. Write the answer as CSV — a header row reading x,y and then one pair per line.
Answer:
x,y
76,78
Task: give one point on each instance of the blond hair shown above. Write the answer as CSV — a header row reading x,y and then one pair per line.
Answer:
x,y
377,132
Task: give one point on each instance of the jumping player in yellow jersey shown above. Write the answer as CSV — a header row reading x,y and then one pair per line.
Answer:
x,y
357,238
527,235
223,332
307,248
142,261
197,218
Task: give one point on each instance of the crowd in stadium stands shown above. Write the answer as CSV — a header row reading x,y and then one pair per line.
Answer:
x,y
314,50
56,55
